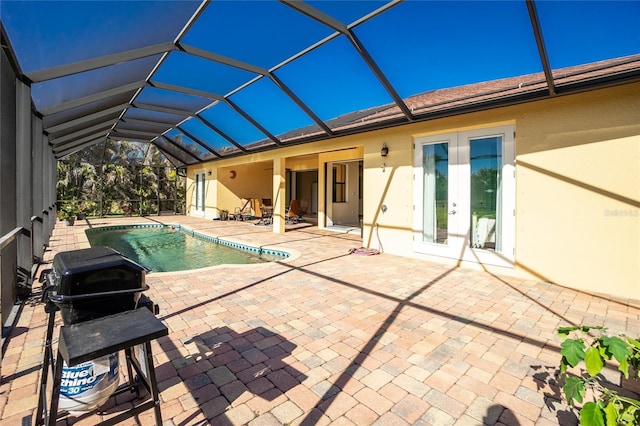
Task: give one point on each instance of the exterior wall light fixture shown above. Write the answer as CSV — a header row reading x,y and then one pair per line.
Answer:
x,y
385,150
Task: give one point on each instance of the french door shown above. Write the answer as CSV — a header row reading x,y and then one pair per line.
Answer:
x,y
198,193
465,195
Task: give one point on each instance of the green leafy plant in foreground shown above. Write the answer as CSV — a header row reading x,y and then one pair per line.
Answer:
x,y
580,345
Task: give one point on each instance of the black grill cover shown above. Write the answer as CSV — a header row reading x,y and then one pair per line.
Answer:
x,y
95,282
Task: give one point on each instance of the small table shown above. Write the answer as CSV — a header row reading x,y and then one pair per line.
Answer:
x,y
93,339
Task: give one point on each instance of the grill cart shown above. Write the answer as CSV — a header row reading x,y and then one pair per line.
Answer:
x,y
98,293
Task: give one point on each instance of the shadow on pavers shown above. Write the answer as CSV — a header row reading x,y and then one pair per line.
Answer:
x,y
223,368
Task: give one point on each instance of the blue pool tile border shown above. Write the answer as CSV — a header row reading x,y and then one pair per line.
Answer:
x,y
195,234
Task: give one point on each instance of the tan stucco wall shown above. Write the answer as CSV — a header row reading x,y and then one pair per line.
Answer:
x,y
227,186
254,174
578,191
577,186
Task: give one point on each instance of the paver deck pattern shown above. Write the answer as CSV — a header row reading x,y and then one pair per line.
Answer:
x,y
335,338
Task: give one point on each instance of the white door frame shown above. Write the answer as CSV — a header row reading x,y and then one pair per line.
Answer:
x,y
460,242
352,202
199,192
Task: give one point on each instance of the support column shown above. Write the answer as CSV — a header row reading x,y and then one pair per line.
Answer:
x,y
211,189
24,183
279,195
50,193
40,227
322,193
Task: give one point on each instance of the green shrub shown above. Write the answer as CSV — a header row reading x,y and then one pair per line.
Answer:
x,y
68,210
580,346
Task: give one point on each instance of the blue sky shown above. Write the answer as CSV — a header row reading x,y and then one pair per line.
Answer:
x,y
419,45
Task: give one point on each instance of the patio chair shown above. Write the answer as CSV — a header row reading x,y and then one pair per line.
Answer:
x,y
292,215
266,212
244,212
483,232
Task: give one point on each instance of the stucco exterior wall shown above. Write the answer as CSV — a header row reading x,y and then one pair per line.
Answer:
x,y
578,192
577,186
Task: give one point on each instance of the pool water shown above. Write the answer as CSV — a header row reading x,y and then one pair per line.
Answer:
x,y
167,248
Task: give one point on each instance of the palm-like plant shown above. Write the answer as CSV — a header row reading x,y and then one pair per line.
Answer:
x,y
108,175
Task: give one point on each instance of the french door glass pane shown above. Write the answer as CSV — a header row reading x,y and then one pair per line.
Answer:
x,y
436,193
199,192
486,197
202,193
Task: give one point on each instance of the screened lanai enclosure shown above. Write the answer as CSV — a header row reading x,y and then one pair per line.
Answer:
x,y
140,90
120,178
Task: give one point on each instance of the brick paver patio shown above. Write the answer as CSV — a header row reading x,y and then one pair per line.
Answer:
x,y
334,338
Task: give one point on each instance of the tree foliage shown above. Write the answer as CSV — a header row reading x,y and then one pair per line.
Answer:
x,y
118,177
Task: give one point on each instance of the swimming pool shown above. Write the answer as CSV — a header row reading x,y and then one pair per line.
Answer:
x,y
164,248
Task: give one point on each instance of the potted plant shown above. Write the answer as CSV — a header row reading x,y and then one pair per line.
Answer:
x,y
87,208
592,347
68,212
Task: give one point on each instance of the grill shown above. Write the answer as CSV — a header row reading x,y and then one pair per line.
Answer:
x,y
92,283
97,284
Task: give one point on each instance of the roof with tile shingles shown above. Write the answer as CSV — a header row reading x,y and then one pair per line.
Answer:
x,y
479,95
